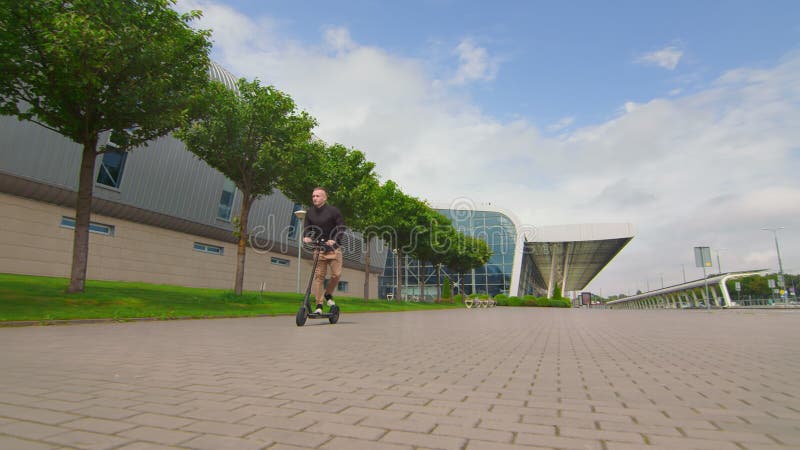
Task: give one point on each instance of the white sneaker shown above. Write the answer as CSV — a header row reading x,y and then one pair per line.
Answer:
x,y
331,303
318,310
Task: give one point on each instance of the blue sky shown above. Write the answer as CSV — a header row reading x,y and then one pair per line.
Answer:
x,y
679,117
560,59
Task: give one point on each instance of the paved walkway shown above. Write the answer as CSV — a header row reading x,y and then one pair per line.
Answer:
x,y
463,379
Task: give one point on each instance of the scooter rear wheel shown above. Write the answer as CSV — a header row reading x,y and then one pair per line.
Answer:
x,y
301,317
334,314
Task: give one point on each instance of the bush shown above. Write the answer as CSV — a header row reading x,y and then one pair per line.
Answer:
x,y
530,300
458,298
561,303
446,289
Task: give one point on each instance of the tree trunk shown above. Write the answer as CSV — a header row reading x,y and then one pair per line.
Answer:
x,y
366,267
438,283
242,247
399,275
83,211
421,279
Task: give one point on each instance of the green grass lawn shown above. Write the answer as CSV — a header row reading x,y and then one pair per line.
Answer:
x,y
31,298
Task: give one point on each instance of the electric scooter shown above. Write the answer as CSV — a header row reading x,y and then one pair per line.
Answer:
x,y
306,312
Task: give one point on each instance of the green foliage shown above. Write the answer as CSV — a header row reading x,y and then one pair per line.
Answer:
x,y
466,253
557,292
530,300
446,288
85,67
247,136
458,299
755,286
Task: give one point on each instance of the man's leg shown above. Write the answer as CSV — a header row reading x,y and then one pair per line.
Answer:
x,y
319,282
336,274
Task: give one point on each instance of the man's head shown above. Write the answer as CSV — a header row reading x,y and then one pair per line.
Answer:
x,y
319,196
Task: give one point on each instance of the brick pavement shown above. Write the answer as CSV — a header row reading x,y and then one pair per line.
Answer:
x,y
496,378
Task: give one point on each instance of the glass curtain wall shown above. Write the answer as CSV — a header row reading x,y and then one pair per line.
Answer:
x,y
494,278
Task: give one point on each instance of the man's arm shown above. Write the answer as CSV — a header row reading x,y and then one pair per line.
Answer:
x,y
309,230
339,229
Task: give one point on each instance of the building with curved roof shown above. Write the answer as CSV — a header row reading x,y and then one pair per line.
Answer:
x,y
526,260
161,215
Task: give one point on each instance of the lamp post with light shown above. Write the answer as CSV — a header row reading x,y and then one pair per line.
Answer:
x,y
777,248
780,263
301,215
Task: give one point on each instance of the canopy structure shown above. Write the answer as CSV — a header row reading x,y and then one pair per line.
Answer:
x,y
703,292
570,256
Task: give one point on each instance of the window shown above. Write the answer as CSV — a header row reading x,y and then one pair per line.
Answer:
x,y
342,286
208,248
111,168
99,228
226,200
279,261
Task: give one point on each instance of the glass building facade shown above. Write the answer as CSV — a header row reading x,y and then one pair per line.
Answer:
x,y
495,228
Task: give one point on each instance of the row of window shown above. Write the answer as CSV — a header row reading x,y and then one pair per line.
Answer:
x,y
113,165
108,230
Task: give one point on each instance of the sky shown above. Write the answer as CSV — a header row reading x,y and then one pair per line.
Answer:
x,y
681,117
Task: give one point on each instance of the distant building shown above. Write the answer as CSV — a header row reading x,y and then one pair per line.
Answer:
x,y
525,260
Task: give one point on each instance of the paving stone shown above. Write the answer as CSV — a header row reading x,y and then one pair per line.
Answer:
x,y
159,435
98,425
341,443
558,442
424,440
30,430
548,378
214,442
12,443
87,440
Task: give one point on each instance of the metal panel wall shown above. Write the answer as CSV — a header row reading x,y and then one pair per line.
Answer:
x,y
163,177
34,152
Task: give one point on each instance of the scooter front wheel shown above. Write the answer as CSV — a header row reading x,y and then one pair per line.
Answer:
x,y
301,317
334,314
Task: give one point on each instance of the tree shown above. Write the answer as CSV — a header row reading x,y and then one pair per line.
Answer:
x,y
245,135
85,67
432,244
467,253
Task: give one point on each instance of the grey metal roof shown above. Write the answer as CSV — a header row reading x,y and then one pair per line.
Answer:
x,y
219,73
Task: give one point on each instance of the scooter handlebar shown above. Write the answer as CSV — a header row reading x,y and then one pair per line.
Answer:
x,y
321,244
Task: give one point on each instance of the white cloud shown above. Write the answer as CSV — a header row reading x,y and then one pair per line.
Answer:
x,y
339,38
710,168
562,123
667,57
474,63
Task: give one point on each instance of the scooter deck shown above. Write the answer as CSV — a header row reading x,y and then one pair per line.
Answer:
x,y
320,316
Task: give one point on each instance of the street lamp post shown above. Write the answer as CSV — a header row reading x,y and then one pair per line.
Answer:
x,y
719,265
396,275
702,258
780,263
301,215
777,248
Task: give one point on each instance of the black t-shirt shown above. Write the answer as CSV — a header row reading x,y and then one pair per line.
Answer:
x,y
325,222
